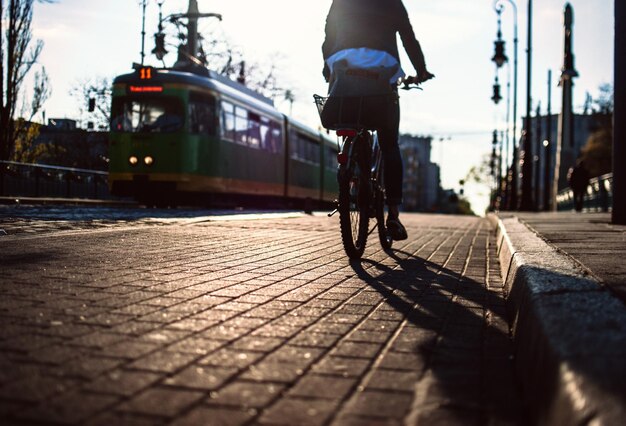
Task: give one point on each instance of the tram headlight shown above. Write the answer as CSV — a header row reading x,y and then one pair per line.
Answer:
x,y
148,161
133,160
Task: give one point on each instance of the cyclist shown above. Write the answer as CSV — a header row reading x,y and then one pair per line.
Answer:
x,y
361,35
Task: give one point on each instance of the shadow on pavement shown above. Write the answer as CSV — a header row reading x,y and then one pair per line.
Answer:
x,y
468,370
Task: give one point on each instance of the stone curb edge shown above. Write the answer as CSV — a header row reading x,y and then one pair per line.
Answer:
x,y
70,201
569,332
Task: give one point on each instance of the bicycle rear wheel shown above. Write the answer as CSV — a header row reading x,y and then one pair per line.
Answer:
x,y
385,239
354,196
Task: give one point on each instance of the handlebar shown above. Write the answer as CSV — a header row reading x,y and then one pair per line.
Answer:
x,y
413,82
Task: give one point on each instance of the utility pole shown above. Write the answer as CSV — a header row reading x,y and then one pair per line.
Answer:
x,y
619,118
189,53
527,202
548,203
566,122
192,28
143,31
538,158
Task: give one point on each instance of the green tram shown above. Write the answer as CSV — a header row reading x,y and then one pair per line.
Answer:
x,y
183,137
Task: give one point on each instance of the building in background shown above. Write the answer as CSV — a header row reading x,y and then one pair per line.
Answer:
x,y
584,125
70,146
422,189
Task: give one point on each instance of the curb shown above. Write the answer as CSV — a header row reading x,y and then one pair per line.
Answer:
x,y
66,201
569,332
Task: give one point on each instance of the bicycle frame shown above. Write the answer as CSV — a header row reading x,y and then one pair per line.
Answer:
x,y
376,159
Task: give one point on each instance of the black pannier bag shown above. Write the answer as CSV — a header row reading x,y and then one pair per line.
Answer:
x,y
358,97
369,112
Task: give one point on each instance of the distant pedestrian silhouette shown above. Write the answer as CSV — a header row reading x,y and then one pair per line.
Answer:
x,y
578,178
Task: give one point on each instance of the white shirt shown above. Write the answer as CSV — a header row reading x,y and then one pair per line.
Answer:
x,y
364,57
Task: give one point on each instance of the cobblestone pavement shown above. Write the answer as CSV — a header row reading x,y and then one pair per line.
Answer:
x,y
254,322
38,219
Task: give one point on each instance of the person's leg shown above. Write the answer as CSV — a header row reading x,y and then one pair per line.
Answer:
x,y
578,200
388,140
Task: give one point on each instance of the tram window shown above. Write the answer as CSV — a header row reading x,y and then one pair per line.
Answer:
x,y
241,125
313,151
146,115
294,142
330,154
265,134
254,130
201,114
228,121
277,137
305,149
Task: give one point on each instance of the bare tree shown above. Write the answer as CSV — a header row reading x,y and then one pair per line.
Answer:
x,y
17,57
94,99
597,153
217,53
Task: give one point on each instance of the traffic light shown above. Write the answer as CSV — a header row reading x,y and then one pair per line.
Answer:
x,y
91,105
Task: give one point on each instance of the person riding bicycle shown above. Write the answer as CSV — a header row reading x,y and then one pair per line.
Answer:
x,y
361,41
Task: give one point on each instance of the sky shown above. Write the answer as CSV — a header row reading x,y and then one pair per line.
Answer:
x,y
85,39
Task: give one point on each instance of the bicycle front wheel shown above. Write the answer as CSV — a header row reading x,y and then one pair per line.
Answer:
x,y
354,198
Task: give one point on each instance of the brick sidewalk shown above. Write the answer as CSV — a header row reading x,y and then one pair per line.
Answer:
x,y
590,238
258,322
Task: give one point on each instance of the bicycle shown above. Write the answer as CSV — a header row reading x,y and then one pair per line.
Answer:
x,y
361,182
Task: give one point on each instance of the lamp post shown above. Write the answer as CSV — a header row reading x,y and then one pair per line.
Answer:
x,y
547,186
619,122
500,58
495,173
527,202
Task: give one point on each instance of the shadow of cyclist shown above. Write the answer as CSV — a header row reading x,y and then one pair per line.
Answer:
x,y
457,328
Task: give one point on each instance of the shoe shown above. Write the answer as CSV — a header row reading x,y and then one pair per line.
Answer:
x,y
395,229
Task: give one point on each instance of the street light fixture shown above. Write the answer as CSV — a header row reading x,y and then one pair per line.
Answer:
x,y
499,57
496,98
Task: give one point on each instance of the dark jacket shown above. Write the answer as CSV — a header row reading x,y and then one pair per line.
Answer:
x,y
372,24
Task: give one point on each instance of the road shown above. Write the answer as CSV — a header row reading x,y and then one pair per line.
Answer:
x,y
185,317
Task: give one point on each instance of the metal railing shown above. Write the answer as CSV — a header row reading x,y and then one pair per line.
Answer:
x,y
39,180
599,196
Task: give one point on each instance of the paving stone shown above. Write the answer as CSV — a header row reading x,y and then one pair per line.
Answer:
x,y
394,381
326,387
356,349
246,394
163,361
64,409
228,357
122,382
377,403
166,402
299,411
203,377
214,416
342,366
273,372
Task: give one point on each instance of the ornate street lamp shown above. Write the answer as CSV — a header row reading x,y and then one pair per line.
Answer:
x,y
500,58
